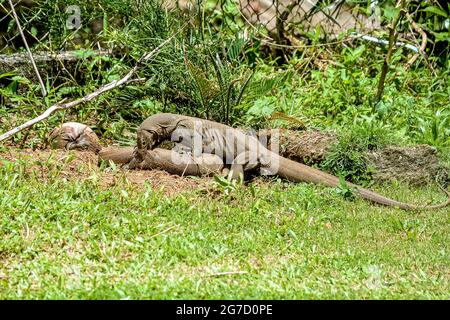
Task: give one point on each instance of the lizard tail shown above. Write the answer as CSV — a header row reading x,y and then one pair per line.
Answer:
x,y
375,197
298,172
118,155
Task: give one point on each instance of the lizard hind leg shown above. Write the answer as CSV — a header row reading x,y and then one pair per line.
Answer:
x,y
209,164
245,161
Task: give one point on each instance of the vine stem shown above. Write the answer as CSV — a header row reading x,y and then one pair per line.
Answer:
x,y
392,39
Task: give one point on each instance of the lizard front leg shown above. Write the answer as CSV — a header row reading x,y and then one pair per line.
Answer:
x,y
209,164
146,140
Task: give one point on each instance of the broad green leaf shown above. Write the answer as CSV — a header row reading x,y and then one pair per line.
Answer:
x,y
436,10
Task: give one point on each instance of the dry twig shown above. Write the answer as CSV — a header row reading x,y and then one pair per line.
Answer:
x,y
227,273
422,46
62,106
164,231
41,83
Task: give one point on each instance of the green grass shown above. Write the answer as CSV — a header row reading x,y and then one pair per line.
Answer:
x,y
75,239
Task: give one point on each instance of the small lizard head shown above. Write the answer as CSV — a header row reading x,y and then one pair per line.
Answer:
x,y
73,135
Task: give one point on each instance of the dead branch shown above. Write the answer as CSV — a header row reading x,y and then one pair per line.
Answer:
x,y
41,83
62,106
423,45
43,56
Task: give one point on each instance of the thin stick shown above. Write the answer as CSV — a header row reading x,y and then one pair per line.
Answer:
x,y
422,47
387,60
327,44
227,273
46,56
164,231
41,83
386,42
89,97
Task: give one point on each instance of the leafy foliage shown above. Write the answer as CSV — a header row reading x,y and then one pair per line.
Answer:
x,y
347,159
211,72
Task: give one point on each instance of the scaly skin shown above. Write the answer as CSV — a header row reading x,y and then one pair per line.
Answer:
x,y
117,155
298,172
243,152
167,160
77,136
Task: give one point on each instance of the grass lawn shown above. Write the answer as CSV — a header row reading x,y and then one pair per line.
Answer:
x,y
71,237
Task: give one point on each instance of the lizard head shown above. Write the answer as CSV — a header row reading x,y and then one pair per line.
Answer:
x,y
154,130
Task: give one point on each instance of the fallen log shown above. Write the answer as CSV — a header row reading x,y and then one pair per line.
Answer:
x,y
46,56
49,63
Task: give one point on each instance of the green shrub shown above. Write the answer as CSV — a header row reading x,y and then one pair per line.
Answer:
x,y
347,158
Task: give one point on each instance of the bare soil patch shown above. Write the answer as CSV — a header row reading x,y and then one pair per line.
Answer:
x,y
416,165
76,165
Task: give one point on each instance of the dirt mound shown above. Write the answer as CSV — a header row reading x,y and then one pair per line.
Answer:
x,y
416,165
308,147
76,165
